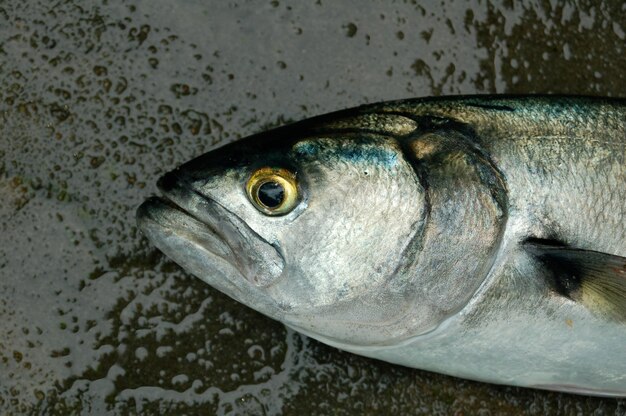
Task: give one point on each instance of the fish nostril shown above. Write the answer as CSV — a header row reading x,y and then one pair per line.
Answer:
x,y
167,182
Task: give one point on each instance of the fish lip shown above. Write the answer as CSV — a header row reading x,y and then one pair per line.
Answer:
x,y
173,231
257,260
160,211
146,210
171,185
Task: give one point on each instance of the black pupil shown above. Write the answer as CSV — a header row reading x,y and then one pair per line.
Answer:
x,y
271,194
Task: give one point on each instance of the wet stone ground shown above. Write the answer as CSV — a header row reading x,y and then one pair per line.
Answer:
x,y
99,98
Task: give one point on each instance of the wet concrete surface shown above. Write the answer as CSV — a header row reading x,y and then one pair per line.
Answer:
x,y
99,98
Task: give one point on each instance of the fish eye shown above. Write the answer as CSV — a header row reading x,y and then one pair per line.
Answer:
x,y
273,191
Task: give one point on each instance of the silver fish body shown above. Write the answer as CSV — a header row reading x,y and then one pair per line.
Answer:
x,y
481,237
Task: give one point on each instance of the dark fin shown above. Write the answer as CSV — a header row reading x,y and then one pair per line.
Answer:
x,y
596,280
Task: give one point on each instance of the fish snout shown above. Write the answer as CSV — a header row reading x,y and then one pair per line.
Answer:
x,y
169,182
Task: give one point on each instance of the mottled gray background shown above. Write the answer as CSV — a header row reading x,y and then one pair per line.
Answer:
x,y
99,98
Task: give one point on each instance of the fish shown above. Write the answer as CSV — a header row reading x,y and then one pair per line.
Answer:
x,y
482,237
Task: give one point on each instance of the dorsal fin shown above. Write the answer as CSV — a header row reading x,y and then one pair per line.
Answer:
x,y
596,280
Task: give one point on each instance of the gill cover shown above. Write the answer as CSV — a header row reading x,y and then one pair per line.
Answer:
x,y
447,258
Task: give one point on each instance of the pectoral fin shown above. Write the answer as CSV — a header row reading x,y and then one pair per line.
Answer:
x,y
596,280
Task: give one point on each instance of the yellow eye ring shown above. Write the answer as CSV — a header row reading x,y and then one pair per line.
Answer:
x,y
273,191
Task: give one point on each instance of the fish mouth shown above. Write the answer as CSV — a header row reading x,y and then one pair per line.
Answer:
x,y
207,239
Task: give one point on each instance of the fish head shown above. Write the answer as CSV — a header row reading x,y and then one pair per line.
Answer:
x,y
319,230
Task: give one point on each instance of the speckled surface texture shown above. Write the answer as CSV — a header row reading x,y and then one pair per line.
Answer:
x,y
98,99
